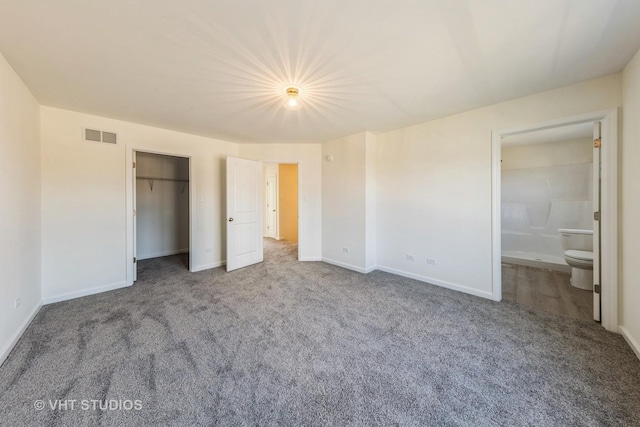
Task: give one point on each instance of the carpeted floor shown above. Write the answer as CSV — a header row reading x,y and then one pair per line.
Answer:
x,y
294,343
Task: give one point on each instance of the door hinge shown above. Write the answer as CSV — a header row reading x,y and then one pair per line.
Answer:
x,y
134,165
135,260
134,212
596,289
596,216
597,143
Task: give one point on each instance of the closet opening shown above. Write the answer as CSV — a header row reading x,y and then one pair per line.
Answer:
x,y
161,220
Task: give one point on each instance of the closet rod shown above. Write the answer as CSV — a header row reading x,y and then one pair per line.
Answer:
x,y
162,179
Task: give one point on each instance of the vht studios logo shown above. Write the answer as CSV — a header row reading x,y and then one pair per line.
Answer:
x,y
88,405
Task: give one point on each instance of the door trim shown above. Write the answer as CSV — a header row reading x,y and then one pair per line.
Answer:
x,y
608,203
129,180
273,234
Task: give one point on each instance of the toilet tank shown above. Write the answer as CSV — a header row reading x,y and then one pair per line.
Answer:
x,y
581,240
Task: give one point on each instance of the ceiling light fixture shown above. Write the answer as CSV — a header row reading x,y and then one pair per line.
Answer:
x,y
291,99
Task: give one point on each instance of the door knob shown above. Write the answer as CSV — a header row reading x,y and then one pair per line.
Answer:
x,y
230,219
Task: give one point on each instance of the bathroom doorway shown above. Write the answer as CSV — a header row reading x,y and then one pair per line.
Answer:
x,y
547,190
544,181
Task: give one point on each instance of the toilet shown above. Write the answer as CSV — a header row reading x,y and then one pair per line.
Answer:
x,y
578,253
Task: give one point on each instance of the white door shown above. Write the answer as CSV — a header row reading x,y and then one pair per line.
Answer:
x,y
597,285
272,215
135,222
244,213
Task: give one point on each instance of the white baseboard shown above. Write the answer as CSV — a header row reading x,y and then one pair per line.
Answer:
x,y
441,283
635,346
18,334
310,258
84,292
208,266
429,280
348,266
165,253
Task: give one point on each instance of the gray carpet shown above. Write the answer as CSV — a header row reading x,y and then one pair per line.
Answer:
x,y
294,343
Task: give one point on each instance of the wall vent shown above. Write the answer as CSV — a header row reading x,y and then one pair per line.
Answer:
x,y
99,136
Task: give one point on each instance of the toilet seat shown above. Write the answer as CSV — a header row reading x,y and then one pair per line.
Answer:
x,y
579,255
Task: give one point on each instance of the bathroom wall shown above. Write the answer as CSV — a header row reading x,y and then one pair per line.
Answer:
x,y
545,187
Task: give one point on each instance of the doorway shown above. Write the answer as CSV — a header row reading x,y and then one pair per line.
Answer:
x,y
161,207
281,201
247,216
548,180
604,220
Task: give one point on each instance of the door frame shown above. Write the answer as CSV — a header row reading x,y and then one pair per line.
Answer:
x,y
129,206
290,162
608,206
276,232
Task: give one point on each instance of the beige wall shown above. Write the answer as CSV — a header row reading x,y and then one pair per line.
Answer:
x,y
434,184
288,201
344,201
349,202
371,200
84,192
20,211
630,204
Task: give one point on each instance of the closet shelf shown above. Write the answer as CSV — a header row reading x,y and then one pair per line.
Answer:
x,y
162,179
151,179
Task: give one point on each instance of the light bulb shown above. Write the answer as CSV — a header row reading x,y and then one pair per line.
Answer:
x,y
291,98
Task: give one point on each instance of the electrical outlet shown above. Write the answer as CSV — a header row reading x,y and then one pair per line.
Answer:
x,y
431,261
345,250
17,302
411,257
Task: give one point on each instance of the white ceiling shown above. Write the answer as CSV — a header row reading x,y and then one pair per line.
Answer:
x,y
217,68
